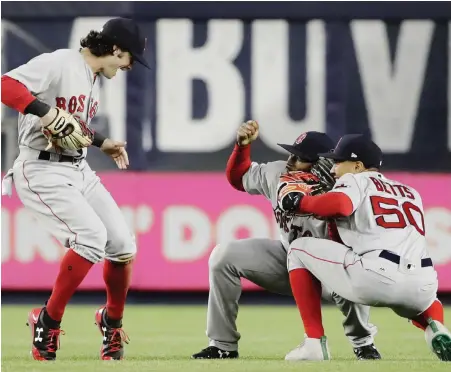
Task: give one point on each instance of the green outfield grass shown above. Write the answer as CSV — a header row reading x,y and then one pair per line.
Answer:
x,y
164,337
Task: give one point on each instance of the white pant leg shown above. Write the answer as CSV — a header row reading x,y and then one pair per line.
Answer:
x,y
52,193
120,245
328,261
368,279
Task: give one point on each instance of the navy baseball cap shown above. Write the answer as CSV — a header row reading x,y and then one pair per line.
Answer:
x,y
356,147
308,145
126,34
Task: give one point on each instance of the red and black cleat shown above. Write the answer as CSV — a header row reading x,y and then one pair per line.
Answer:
x,y
45,340
113,337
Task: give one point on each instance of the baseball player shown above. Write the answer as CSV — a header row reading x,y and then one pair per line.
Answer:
x,y
263,261
57,96
382,258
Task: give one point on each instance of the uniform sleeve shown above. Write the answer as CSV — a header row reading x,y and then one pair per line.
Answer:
x,y
260,179
349,186
38,74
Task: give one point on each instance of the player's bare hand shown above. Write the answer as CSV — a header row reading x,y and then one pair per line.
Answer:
x,y
247,133
116,150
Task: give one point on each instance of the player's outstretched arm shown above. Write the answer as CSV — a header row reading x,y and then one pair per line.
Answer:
x,y
331,204
240,160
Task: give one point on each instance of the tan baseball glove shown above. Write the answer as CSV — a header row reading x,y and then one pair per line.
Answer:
x,y
67,132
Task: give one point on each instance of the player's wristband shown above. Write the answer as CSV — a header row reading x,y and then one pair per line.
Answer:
x,y
98,139
37,108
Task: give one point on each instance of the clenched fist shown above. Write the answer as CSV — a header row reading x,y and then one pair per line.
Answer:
x,y
247,133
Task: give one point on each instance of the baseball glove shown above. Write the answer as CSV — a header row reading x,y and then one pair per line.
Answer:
x,y
67,132
321,169
298,182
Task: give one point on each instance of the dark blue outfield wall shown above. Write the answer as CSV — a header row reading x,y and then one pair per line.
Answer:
x,y
376,68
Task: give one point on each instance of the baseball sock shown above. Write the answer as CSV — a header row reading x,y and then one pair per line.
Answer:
x,y
307,294
73,269
117,278
435,311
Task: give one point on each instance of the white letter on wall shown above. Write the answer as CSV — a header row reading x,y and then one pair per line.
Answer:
x,y
392,92
270,81
186,233
178,64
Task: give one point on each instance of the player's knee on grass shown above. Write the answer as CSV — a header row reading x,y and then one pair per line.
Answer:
x,y
121,248
90,243
223,257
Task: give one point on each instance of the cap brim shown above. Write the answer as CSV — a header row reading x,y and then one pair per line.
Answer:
x,y
142,60
332,155
293,150
289,148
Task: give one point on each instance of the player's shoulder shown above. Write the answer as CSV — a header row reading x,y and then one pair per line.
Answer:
x,y
278,165
271,167
50,58
401,184
271,170
348,178
65,53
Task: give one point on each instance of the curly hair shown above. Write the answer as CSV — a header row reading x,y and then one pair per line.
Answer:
x,y
97,44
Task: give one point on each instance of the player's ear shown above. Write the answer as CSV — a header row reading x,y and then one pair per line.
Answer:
x,y
116,51
359,166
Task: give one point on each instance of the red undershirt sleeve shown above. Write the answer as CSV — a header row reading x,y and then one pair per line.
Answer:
x,y
332,204
15,95
238,164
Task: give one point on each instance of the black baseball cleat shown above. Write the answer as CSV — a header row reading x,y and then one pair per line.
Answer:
x,y
113,337
368,352
213,352
44,337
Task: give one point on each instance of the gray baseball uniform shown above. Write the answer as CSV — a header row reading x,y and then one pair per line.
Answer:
x,y
264,262
387,217
66,197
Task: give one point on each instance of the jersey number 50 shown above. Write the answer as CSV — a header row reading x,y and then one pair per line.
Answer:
x,y
397,210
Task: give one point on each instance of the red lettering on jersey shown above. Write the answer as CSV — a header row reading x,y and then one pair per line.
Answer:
x,y
72,104
400,190
61,103
408,192
392,189
377,183
93,110
81,103
298,232
384,185
282,219
377,204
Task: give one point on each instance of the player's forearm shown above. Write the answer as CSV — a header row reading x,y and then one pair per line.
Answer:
x,y
331,204
238,164
16,96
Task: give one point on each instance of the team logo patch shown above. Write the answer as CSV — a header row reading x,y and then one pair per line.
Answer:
x,y
300,138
